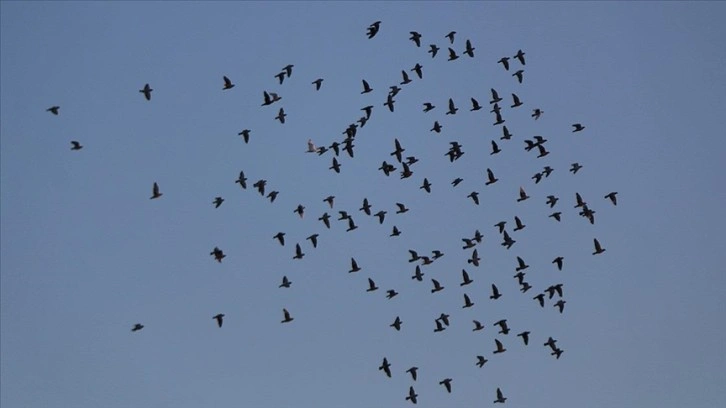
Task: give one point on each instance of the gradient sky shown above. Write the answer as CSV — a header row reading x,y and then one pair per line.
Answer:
x,y
86,254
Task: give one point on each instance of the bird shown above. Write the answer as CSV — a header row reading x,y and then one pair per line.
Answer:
x,y
366,88
354,266
281,115
520,277
271,97
542,151
556,215
557,352
579,201
450,36
495,293
558,261
490,177
467,302
76,145
433,49
444,318
465,278
522,195
503,325
396,324
418,275
371,285
495,148
313,239
505,134
547,170
478,236
300,210
537,178
474,260
227,83
351,225
500,347
281,77
612,197
598,249
499,120
325,218
474,105
452,108
53,110
437,254
298,252
477,326
446,383
273,195
401,208
518,224
390,294
575,167
437,286
412,394
395,232
540,299
147,92
219,318
525,287
389,102
525,337
416,38
551,200
287,318
406,79
318,83
311,147
413,371
155,192
519,74
500,397
469,49
437,127
456,181
373,29
520,56
474,196
505,62
428,106
418,70
495,97
507,240
217,254
439,326
426,185
217,201
577,127
245,135
288,70
560,304
285,283
551,342
385,367
516,101
452,55
501,225
536,113
381,215
137,327
329,200
335,166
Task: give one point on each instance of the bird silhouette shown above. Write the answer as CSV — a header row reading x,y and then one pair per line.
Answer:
x,y
495,148
469,49
450,36
390,294
53,110
503,326
300,210
500,397
452,55
385,367
467,302
520,56
558,262
577,127
433,49
519,74
395,232
465,278
155,191
245,135
418,69
76,145
437,286
217,201
495,97
537,113
478,326
318,83
598,249
373,29
439,326
285,283
418,275
401,208
366,88
147,92
397,324
413,371
474,196
298,252
452,108
281,115
227,83
335,166
273,195
219,318
137,327
325,218
371,285
426,185
474,260
516,101
522,195
437,127
313,240
286,316
500,347
525,337
481,361
560,304
490,177
505,134
217,254
446,383
612,197
412,395
354,266
505,62
242,180
406,79
495,293
540,299
575,167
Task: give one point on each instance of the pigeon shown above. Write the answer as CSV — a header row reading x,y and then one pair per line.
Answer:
x,y
474,196
385,367
155,192
437,286
481,361
437,254
525,287
446,383
411,395
579,201
298,252
395,232
433,49
147,92
520,277
536,113
413,372
245,135
227,83
499,120
53,110
522,195
418,275
501,225
137,327
439,326
598,249
537,178
381,215
242,180
76,145
525,337
397,324
500,347
313,239
557,352
542,151
547,170
318,83
371,286
281,115
490,177
217,201
495,97
366,88
500,397
465,278
503,325
575,167
300,210
437,127
335,166
428,106
271,97
452,55
325,218
390,294
469,49
505,62
287,318
474,260
354,266
477,325
426,185
416,38
540,299
467,302
456,181
495,148
520,56
389,102
273,195
418,70
444,318
217,254
452,108
219,318
495,293
508,241
329,200
516,101
551,342
281,77
612,197
450,36
311,147
561,304
373,29
401,208
368,110
505,134
577,127
351,225
558,261
406,79
519,74
288,70
285,282
551,200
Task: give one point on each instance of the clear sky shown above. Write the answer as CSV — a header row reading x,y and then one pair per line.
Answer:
x,y
86,254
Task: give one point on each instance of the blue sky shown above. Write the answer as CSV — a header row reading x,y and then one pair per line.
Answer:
x,y
86,254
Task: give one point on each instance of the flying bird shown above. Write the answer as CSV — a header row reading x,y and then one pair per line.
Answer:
x,y
520,56
325,218
522,195
500,397
426,185
474,260
495,97
446,383
366,88
371,285
495,293
478,326
540,299
598,249
217,254
401,208
525,337
561,305
556,215
516,101
318,83
577,127
287,318
452,108
217,201
433,49
273,195
406,79
418,70
500,347
413,372
285,283
53,110
385,367
474,196
354,266
437,286
416,38
390,294
147,92
450,36
219,318
381,215
452,55
227,83
155,191
612,197
469,49
558,261
575,167
396,324
437,127
411,394
519,74
503,325
313,240
245,135
298,252
465,278
242,180
281,115
335,166
396,232
505,62
76,145
490,177
373,29
137,327
467,302
551,200
456,181
300,210
536,113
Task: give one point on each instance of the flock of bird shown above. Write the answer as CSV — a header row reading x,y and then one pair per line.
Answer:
x,y
405,165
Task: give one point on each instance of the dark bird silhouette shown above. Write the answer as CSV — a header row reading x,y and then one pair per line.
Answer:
x,y
501,225
542,151
508,241
396,324
499,120
525,337
137,327
598,249
456,181
474,260
557,353
467,302
418,70
520,277
516,101
446,383
270,98
519,74
147,92
525,287
390,294
452,55
413,372
155,192
426,185
450,36
444,318
575,167
495,97
273,195
368,110
558,262
53,110
227,83
437,127
245,135
418,275
522,195
452,108
398,152
354,266
433,49
474,105
505,134
329,200
325,218
547,170
537,178
478,326
468,243
495,148
76,145
285,283
381,216
414,255
495,293
335,166
318,83
416,38
300,210
286,316
505,62
281,115
394,90
500,347
401,208
313,239
298,252
577,127
540,299
503,325
428,106
536,113
366,88
242,180
551,200
560,304
556,215
478,236
343,215
612,197
371,285
406,79
396,232
437,286
474,196
439,326
412,394
469,49
520,56
551,343
219,318
217,254
373,29
465,278
280,77
410,160
500,397
385,367
490,177
351,224
389,102
217,201
579,201
288,70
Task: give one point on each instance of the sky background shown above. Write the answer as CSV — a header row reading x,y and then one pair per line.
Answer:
x,y
86,254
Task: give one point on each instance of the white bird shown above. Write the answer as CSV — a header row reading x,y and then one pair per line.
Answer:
x,y
311,146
